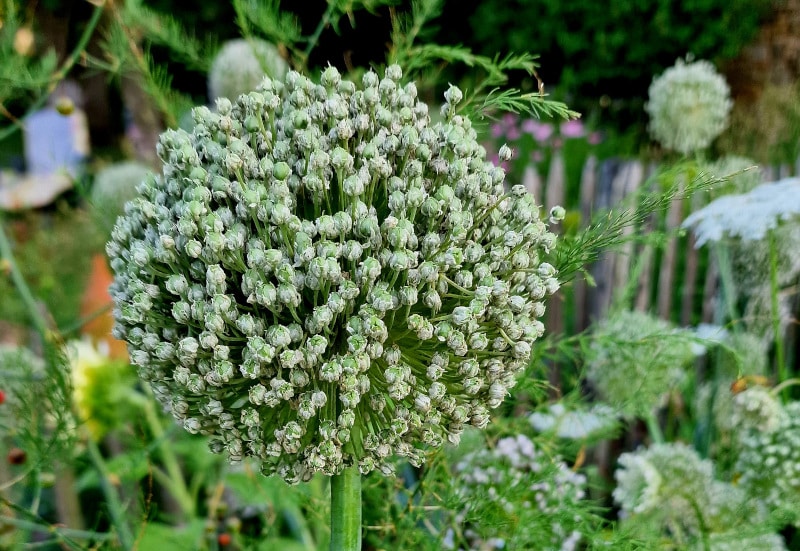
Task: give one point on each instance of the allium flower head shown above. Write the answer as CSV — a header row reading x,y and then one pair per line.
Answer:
x,y
240,65
635,359
321,277
748,216
688,106
114,186
537,489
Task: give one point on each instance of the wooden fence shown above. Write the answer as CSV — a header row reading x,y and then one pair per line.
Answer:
x,y
670,278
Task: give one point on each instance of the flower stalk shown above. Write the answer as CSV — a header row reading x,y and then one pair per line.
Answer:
x,y
776,316
346,510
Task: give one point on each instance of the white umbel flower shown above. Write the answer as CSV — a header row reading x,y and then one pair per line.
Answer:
x,y
747,216
688,106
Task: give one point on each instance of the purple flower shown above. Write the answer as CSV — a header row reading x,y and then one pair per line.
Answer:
x,y
497,130
595,138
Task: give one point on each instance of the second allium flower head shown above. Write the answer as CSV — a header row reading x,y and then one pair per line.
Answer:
x,y
321,277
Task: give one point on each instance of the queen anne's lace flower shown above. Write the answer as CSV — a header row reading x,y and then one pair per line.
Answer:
x,y
670,488
688,106
544,485
756,408
321,277
240,65
748,216
635,359
769,462
575,424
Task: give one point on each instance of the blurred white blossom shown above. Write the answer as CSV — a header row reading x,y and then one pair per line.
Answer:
x,y
538,491
576,424
688,106
240,65
635,359
748,216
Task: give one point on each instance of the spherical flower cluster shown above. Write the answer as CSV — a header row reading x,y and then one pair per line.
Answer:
x,y
240,65
541,485
688,106
114,186
635,359
756,408
769,462
321,277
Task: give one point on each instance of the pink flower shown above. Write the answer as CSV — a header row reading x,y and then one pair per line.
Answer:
x,y
542,132
496,130
513,133
595,138
529,126
509,119
572,129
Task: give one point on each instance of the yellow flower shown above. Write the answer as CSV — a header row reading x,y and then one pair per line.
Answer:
x,y
102,388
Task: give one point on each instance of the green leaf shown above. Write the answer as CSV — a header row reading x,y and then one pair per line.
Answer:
x,y
158,537
129,467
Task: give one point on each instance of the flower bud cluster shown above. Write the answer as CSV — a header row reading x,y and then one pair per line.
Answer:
x,y
545,485
769,462
321,277
756,408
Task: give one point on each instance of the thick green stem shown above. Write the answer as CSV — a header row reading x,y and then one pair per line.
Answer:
x,y
653,428
726,279
776,315
346,511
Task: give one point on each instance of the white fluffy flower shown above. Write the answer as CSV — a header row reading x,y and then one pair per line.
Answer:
x,y
769,463
537,491
756,408
114,186
748,216
689,106
241,64
635,359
